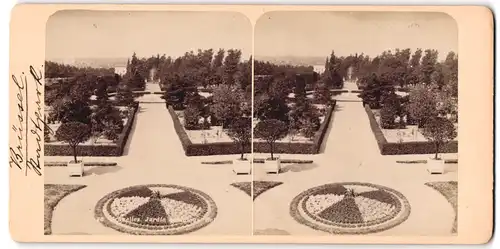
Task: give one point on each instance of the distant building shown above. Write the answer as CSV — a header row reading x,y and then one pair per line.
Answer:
x,y
319,68
120,70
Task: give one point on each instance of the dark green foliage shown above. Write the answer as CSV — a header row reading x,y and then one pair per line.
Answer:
x,y
271,130
391,109
322,94
439,131
271,107
73,133
240,130
191,116
387,148
375,90
96,150
106,120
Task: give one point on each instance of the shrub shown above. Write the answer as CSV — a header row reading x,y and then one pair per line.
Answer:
x,y
191,117
387,116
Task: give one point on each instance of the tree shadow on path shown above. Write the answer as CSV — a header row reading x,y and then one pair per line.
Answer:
x,y
298,167
102,170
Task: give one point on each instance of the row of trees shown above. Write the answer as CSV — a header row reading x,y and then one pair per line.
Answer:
x,y
59,70
71,105
278,114
432,87
226,76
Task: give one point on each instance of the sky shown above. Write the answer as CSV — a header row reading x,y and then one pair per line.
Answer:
x,y
318,33
117,34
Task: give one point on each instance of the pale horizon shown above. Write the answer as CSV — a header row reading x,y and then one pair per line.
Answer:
x,y
79,34
316,34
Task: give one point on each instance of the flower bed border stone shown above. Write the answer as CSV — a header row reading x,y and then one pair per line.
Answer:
x,y
96,150
210,213
298,205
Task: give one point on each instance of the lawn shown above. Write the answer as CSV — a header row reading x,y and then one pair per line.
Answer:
x,y
259,187
53,193
450,191
100,141
213,135
409,134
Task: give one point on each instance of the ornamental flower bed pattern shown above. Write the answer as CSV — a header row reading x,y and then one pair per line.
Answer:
x,y
350,208
156,209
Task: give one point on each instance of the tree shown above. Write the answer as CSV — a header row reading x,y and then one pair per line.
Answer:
x,y
72,110
428,65
271,107
106,120
240,130
227,102
375,90
304,117
322,94
101,91
422,105
231,66
439,130
271,130
73,133
332,75
125,95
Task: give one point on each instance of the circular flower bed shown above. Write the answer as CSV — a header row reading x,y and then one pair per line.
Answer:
x,y
350,208
156,209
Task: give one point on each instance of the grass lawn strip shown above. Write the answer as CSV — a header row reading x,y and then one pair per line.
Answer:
x,y
53,193
450,191
259,187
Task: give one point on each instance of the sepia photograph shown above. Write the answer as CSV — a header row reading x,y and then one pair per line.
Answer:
x,y
148,119
355,123
159,123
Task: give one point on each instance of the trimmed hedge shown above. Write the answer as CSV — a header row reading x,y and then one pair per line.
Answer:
x,y
225,148
96,150
420,147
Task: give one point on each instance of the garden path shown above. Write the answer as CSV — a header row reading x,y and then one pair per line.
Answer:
x,y
351,154
153,154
